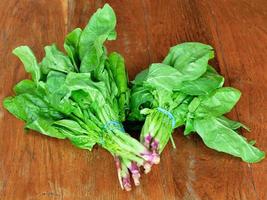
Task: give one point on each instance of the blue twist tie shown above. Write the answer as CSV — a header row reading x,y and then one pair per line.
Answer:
x,y
113,123
107,127
166,112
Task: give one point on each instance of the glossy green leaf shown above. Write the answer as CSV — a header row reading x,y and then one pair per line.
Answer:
x,y
73,126
141,77
164,77
24,86
190,59
203,85
71,45
56,60
221,138
27,57
100,28
140,96
120,76
217,103
231,124
44,126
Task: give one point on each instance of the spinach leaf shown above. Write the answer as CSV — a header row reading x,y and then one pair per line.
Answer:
x,y
117,67
92,61
140,98
163,77
231,124
205,84
89,90
24,86
190,59
27,57
100,28
141,77
44,126
221,138
71,45
56,60
217,103
80,141
71,125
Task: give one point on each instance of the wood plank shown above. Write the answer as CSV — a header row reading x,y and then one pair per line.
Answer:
x,y
33,166
239,29
29,164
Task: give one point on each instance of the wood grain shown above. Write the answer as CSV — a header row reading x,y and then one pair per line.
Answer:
x,y
34,167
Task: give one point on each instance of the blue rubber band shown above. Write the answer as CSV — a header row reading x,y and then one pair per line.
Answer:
x,y
166,112
113,123
107,127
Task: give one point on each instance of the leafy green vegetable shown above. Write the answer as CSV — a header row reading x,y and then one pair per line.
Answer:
x,y
82,96
56,60
191,59
117,67
28,59
71,46
231,124
217,103
186,90
101,27
163,76
221,138
203,85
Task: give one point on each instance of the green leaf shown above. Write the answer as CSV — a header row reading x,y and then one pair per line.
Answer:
x,y
231,124
118,70
217,103
44,126
80,141
91,61
27,57
100,28
189,126
117,67
140,97
194,104
180,114
12,104
211,69
203,85
55,81
164,77
190,59
252,142
87,91
221,138
141,77
24,86
71,46
29,107
73,126
55,60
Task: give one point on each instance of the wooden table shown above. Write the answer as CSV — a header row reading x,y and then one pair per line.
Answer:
x,y
34,167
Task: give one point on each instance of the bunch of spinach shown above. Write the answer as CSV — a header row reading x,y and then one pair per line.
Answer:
x,y
81,95
186,90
